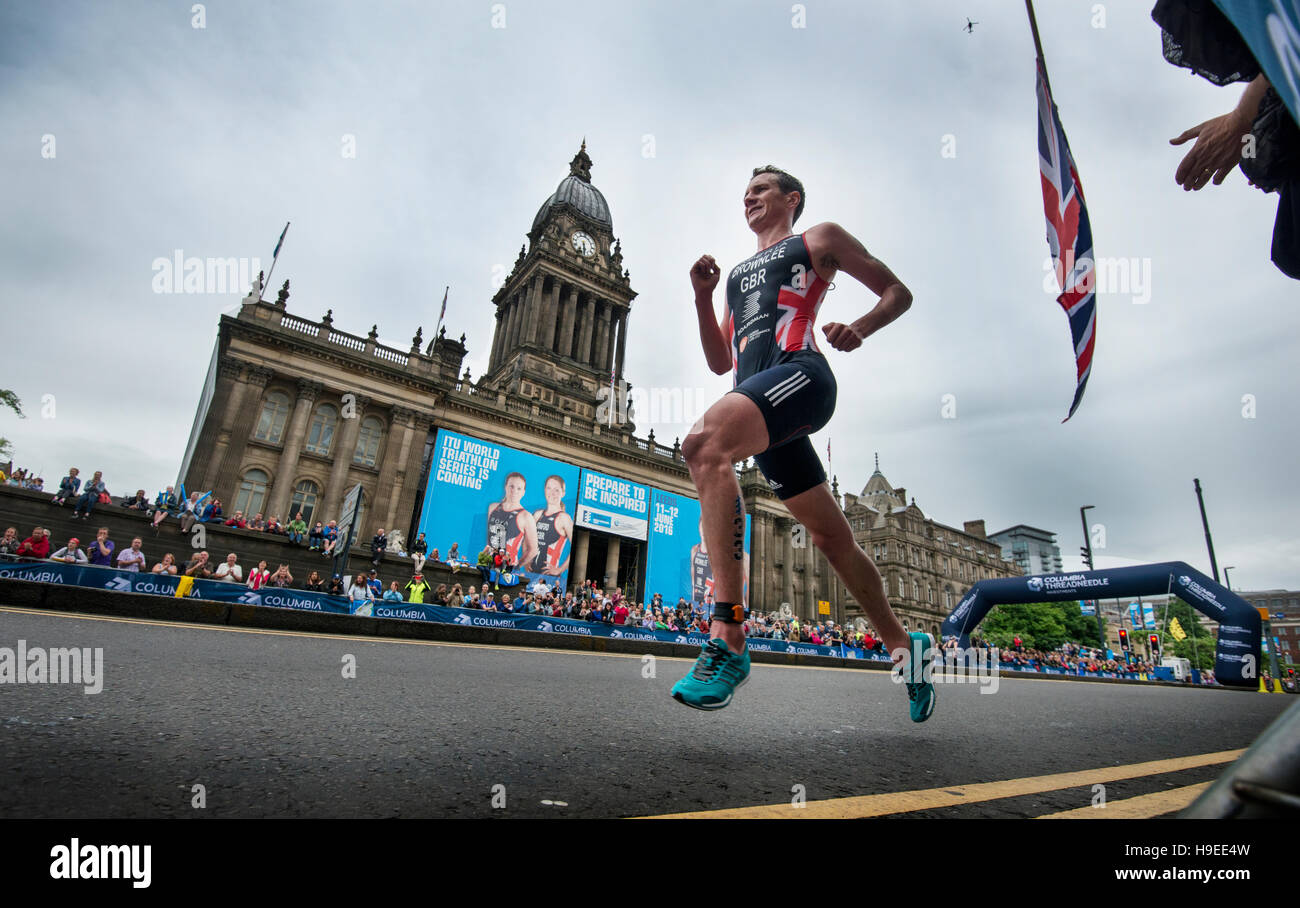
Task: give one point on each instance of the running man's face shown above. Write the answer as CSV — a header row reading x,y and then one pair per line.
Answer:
x,y
766,205
554,494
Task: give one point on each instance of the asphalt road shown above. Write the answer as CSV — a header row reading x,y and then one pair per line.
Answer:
x,y
267,723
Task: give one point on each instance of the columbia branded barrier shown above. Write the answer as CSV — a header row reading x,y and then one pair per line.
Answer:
x,y
221,591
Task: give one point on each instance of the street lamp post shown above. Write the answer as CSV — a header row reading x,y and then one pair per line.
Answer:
x,y
1087,558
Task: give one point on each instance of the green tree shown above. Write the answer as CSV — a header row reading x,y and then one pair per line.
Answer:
x,y
1041,625
9,399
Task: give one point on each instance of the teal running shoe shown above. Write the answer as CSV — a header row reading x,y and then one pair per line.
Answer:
x,y
715,677
920,692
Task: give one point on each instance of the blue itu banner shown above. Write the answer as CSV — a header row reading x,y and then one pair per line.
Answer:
x,y
613,505
483,493
677,560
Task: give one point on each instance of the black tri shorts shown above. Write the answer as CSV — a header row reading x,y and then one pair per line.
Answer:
x,y
797,399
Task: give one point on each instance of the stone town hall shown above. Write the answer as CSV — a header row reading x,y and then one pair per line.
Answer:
x,y
295,412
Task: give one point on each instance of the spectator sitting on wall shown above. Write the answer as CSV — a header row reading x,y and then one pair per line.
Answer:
x,y
71,553
166,566
281,579
190,512
315,583
211,511
132,559
257,523
101,550
330,539
335,587
378,545
453,557
418,588
393,594
418,548
258,576
198,567
316,538
68,487
163,503
90,496
485,556
274,527
137,503
238,521
298,530
229,570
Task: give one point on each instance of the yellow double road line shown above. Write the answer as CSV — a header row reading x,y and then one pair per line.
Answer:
x,y
879,805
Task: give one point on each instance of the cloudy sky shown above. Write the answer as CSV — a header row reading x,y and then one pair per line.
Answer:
x,y
127,133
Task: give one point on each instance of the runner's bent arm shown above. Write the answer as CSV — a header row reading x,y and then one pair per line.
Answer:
x,y
713,337
837,249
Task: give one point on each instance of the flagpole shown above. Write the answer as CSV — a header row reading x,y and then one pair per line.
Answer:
x,y
274,258
1038,44
442,311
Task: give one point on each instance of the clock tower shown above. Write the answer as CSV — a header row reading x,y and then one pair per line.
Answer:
x,y
561,315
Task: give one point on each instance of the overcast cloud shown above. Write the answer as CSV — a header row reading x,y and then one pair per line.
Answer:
x,y
207,140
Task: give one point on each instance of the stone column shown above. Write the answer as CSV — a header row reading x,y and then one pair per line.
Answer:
x,y
533,310
607,354
409,475
586,322
498,339
235,392
578,567
611,562
282,485
758,597
784,529
601,348
622,340
512,333
550,316
384,503
565,341
345,446
256,378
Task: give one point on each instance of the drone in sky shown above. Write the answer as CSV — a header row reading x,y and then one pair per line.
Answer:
x,y
969,27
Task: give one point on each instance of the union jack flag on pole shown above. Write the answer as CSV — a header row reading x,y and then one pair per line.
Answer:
x,y
1069,233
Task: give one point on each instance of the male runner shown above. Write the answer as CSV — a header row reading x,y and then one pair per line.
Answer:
x,y
784,391
554,531
510,525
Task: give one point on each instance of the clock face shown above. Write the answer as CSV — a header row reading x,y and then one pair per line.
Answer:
x,y
584,244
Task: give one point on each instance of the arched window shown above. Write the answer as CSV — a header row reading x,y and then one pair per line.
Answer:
x,y
252,493
947,598
902,593
916,590
367,453
321,435
305,495
270,426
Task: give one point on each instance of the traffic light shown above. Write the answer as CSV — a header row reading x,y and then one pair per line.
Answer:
x,y
1123,639
1155,646
1087,556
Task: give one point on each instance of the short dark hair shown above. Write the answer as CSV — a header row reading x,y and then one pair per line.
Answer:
x,y
786,183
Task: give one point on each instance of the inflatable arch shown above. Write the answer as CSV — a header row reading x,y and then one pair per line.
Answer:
x,y
1237,656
